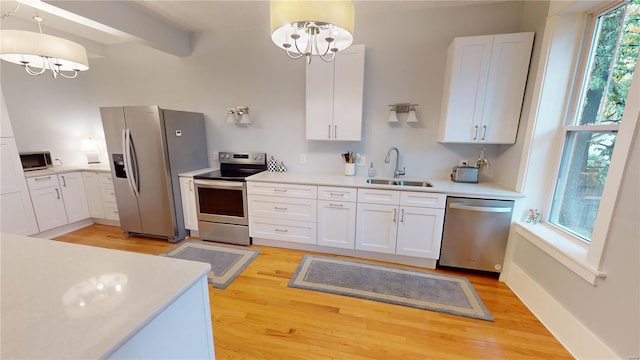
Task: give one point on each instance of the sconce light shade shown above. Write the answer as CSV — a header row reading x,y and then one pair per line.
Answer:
x,y
244,119
393,117
412,116
231,116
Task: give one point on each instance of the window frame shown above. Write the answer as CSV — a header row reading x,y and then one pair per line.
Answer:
x,y
581,78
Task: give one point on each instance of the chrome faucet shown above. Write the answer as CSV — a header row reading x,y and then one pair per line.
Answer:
x,y
396,172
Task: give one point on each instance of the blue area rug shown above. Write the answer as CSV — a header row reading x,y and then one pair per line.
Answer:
x,y
227,262
420,289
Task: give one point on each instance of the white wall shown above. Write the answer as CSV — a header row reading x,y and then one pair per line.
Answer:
x,y
405,61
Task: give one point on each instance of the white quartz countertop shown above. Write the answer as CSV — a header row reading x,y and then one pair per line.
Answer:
x,y
451,188
99,167
69,301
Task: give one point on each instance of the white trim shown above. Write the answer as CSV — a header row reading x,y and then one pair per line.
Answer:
x,y
594,128
560,246
570,332
64,229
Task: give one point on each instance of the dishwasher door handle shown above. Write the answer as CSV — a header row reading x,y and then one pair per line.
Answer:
x,y
480,208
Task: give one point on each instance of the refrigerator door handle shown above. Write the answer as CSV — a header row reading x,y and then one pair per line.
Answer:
x,y
126,145
492,209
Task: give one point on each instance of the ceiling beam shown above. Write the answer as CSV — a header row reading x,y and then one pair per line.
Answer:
x,y
121,19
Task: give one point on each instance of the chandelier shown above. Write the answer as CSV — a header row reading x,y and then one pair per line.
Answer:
x,y
38,52
311,27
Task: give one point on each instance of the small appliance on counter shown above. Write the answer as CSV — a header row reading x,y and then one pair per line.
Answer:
x,y
465,174
36,160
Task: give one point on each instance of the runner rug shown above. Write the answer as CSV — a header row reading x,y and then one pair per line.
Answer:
x,y
420,289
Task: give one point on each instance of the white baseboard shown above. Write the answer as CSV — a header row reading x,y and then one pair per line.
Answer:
x,y
61,230
570,332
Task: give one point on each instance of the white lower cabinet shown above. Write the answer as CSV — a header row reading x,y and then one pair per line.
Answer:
x,y
73,195
94,194
391,222
287,213
48,204
108,197
337,217
189,208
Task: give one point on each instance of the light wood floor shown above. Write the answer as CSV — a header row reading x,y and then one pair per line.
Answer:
x,y
259,317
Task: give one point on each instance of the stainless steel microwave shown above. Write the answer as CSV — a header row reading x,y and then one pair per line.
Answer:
x,y
36,160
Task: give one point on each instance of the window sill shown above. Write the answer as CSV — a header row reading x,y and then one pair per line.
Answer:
x,y
566,250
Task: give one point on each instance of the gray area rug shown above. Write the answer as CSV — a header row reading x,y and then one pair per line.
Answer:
x,y
227,262
419,289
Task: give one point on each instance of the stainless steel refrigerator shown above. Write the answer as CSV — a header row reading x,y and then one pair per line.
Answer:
x,y
148,147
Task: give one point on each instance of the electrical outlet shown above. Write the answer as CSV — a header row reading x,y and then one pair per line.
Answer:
x,y
216,154
463,163
303,158
362,160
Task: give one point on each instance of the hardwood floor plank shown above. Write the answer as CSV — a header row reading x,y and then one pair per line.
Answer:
x,y
259,317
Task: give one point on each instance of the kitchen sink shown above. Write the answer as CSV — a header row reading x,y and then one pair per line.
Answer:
x,y
399,182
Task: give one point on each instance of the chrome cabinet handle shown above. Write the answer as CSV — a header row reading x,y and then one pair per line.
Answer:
x,y
280,190
395,213
57,194
335,205
484,132
43,178
280,208
64,182
281,230
190,185
401,215
475,132
335,131
336,194
329,133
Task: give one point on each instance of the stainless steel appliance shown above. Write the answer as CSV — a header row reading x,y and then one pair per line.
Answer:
x,y
149,147
475,233
465,174
35,160
221,197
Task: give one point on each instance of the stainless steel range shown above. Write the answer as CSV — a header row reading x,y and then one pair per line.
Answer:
x,y
221,197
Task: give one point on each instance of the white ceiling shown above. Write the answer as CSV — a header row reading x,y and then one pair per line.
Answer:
x,y
164,24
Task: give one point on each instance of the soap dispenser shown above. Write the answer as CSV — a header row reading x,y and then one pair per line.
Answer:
x,y
372,171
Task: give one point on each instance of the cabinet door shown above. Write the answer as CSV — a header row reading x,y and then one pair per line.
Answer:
x,y
189,209
336,224
506,83
468,62
319,100
49,207
93,192
75,200
348,94
420,232
376,227
17,212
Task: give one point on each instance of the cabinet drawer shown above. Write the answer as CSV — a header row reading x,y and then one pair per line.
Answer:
x,y
282,208
111,211
285,230
421,199
41,182
283,190
337,193
105,178
372,196
108,194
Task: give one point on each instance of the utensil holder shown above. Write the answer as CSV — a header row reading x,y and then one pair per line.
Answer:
x,y
349,169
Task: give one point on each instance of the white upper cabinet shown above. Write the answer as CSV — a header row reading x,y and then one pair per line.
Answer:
x,y
485,79
334,96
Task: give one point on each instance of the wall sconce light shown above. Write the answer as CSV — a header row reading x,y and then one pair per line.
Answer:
x,y
90,147
403,108
238,115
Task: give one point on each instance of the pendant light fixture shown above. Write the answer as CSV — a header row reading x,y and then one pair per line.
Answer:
x,y
38,52
311,27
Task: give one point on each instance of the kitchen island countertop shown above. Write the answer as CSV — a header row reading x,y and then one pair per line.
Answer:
x,y
484,189
62,300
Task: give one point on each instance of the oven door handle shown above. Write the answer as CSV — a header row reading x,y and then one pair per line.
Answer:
x,y
220,184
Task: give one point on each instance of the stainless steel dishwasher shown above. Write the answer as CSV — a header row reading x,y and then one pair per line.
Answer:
x,y
475,233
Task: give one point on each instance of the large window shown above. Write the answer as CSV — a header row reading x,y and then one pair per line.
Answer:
x,y
592,126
